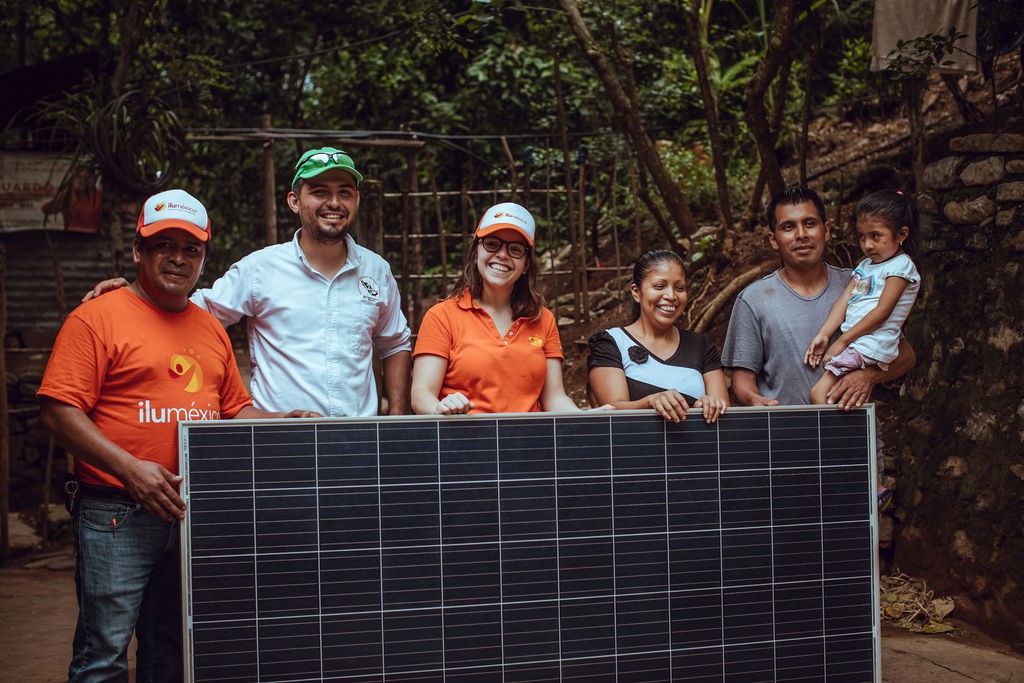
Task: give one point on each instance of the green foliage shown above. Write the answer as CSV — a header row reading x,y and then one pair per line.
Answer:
x,y
690,164
474,68
913,60
702,246
852,79
675,94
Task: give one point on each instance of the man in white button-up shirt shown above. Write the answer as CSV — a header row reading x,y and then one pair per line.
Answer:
x,y
319,305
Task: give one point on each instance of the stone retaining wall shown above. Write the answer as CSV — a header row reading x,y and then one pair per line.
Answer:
x,y
30,440
960,521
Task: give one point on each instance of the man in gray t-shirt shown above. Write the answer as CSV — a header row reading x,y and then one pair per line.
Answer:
x,y
775,318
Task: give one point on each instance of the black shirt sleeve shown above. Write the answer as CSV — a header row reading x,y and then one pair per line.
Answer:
x,y
604,352
712,359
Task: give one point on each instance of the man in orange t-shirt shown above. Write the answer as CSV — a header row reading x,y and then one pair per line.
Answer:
x,y
125,368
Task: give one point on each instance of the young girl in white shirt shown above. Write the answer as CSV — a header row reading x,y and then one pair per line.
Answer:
x,y
878,299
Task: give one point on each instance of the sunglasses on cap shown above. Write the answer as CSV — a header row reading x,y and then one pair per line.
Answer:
x,y
514,249
322,159
316,161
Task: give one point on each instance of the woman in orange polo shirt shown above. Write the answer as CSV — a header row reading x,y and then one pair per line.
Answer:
x,y
492,346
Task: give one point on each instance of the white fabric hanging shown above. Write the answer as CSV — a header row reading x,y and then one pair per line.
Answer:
x,y
897,20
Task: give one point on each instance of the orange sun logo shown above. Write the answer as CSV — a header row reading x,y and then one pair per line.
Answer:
x,y
187,367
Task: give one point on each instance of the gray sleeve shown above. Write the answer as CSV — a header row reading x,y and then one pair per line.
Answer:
x,y
744,347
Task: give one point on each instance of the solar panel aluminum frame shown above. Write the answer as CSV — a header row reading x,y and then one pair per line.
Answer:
x,y
569,604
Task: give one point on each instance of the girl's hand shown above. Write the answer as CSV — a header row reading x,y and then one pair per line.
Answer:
x,y
670,404
454,404
713,407
833,351
813,355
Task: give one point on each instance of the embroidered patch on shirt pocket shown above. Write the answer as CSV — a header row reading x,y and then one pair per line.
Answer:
x,y
364,322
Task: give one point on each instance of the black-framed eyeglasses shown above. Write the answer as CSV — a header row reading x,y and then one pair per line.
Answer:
x,y
323,159
514,249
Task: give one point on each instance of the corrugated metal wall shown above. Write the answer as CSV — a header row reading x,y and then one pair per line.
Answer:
x,y
32,315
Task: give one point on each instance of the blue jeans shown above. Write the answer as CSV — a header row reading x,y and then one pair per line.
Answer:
x,y
128,578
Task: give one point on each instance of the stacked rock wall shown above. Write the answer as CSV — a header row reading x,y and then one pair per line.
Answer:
x,y
30,440
960,455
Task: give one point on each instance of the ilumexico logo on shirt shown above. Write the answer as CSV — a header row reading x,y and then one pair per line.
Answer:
x,y
187,373
368,289
148,413
188,369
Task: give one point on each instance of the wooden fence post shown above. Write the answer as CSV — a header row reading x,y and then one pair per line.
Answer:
x,y
5,437
567,169
371,215
415,229
581,260
269,191
441,237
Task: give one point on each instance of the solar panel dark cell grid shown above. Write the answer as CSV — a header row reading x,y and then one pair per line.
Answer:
x,y
601,547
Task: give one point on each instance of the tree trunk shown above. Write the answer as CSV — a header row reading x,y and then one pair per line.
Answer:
x,y
698,37
643,192
778,46
912,95
131,29
805,115
629,113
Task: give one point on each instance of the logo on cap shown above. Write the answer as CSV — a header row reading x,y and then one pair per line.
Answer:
x,y
179,207
159,206
511,216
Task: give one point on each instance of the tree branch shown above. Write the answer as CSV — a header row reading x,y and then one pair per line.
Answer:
x,y
729,291
778,46
626,108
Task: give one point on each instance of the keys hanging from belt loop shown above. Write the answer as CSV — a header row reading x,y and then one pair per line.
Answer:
x,y
71,489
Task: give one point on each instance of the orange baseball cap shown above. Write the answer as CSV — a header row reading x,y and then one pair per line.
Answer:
x,y
507,215
174,209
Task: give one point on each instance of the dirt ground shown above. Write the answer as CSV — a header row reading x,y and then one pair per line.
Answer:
x,y
38,610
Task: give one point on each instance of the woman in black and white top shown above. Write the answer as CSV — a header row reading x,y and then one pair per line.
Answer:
x,y
651,363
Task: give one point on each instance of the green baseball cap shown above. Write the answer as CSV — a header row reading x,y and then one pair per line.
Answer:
x,y
316,161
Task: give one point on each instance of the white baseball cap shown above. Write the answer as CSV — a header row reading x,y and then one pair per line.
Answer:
x,y
507,215
174,209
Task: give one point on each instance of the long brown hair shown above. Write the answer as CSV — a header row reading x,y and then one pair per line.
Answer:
x,y
527,301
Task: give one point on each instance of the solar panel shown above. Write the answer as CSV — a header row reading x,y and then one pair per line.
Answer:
x,y
607,546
